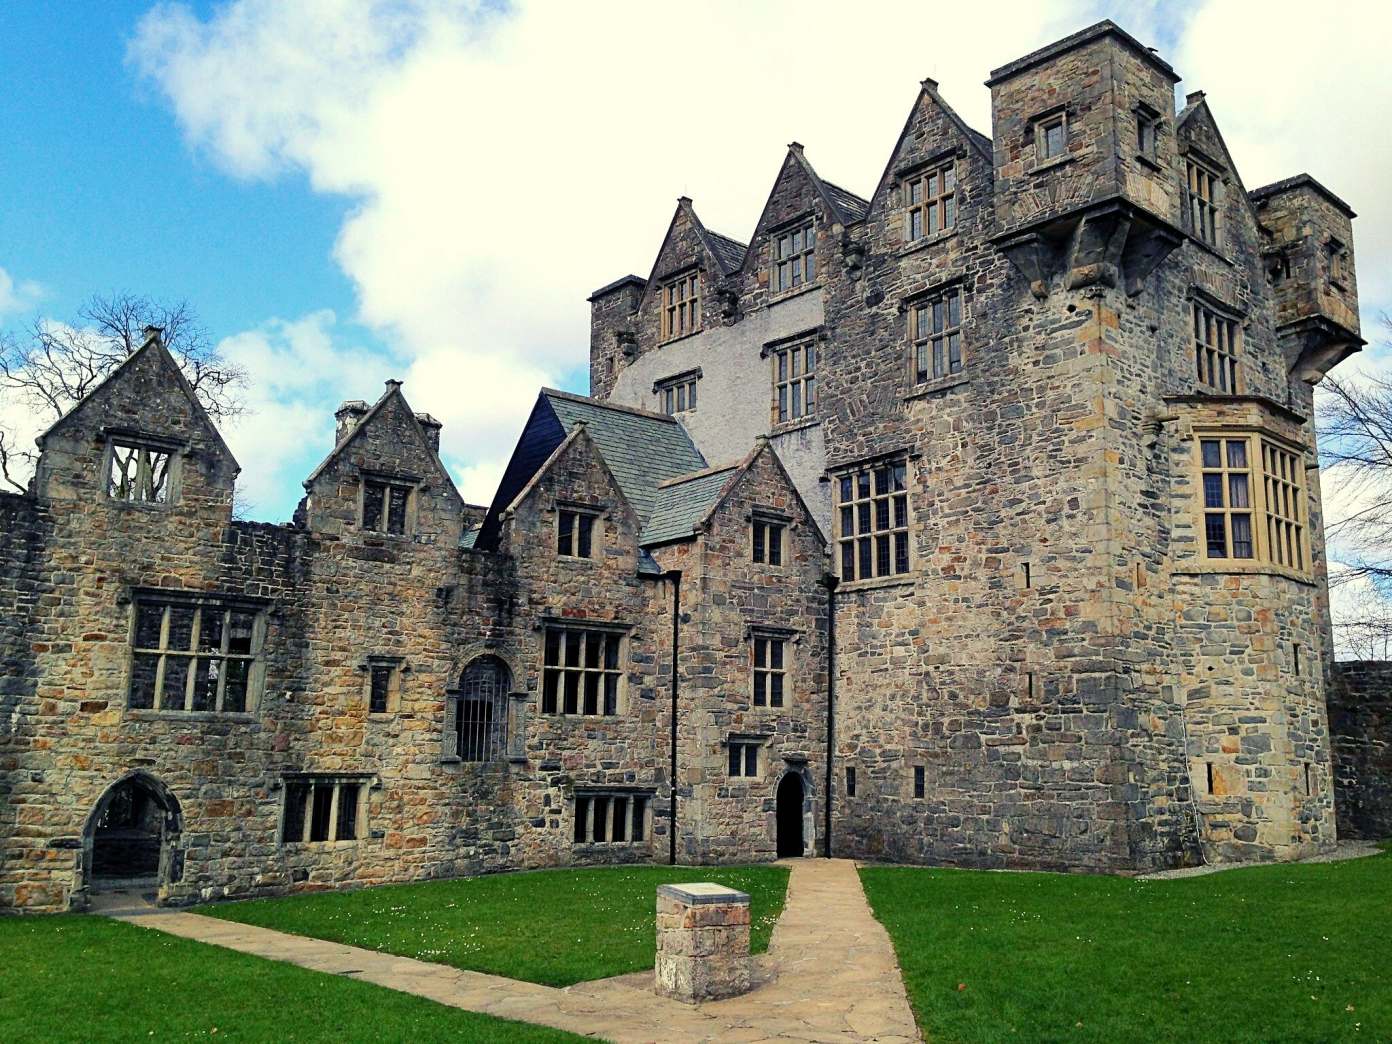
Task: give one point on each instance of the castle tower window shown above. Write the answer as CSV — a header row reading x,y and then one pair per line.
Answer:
x,y
1338,264
681,306
137,473
1216,350
1282,496
770,671
386,506
930,201
677,394
935,328
794,258
1147,133
767,541
323,809
195,654
575,533
1227,492
919,783
850,782
610,818
1203,188
581,671
743,758
794,381
1051,137
873,521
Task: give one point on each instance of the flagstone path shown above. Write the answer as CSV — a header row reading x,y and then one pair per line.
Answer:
x,y
829,975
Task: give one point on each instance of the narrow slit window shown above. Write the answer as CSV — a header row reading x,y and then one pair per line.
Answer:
x,y
850,782
919,783
1050,138
381,682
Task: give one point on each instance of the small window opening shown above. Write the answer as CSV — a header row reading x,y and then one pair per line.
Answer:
x,y
1309,789
575,533
850,782
384,507
609,819
322,808
768,542
1029,684
1051,138
770,673
1208,766
381,676
744,759
138,474
1295,648
1028,579
919,783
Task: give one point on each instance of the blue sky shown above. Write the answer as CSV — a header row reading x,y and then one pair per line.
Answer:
x,y
428,189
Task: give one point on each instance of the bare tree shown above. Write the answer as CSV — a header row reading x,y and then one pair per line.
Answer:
x,y
52,366
1355,429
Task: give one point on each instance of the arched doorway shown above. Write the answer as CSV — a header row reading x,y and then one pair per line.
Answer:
x,y
789,815
128,835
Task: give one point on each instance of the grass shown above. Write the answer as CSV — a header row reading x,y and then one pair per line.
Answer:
x,y
555,927
87,978
1279,953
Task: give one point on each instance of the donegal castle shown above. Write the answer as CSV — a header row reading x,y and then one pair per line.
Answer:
x,y
975,521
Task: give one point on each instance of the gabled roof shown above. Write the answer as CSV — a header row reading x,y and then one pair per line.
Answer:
x,y
642,449
974,138
729,253
392,393
153,344
1196,106
684,502
846,206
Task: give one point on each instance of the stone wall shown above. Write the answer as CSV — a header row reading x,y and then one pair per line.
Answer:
x,y
1360,725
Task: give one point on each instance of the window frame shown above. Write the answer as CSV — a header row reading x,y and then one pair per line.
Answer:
x,y
925,344
677,394
572,542
800,261
744,757
794,377
772,554
858,505
1203,212
312,782
679,303
1147,134
394,668
774,668
639,804
553,699
1274,466
1216,337
1043,155
199,604
143,446
933,211
408,484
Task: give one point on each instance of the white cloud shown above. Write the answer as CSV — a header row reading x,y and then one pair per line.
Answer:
x,y
504,165
18,296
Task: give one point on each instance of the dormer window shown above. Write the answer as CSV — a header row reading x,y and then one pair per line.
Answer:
x,y
681,306
1203,187
794,258
386,506
1051,137
930,201
139,473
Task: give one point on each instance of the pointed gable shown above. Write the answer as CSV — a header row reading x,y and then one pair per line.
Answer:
x,y
688,242
1198,128
933,130
145,400
389,443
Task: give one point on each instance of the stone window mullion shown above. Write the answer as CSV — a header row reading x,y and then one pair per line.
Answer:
x,y
159,671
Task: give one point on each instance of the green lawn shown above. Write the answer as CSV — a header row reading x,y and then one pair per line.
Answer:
x,y
555,927
1279,953
87,978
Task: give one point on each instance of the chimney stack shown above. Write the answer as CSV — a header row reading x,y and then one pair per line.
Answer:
x,y
152,333
348,416
431,427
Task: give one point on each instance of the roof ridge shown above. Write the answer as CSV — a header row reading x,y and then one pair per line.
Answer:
x,y
692,476
605,405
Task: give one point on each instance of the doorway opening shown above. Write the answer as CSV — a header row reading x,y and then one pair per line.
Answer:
x,y
789,815
128,834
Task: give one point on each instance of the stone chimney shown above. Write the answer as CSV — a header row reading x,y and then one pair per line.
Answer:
x,y
431,427
151,333
348,416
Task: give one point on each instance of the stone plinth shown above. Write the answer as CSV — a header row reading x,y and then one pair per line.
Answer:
x,y
702,942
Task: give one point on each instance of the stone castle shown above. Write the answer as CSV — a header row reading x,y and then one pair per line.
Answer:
x,y
974,522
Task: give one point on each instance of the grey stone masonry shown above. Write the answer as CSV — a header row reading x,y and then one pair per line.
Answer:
x,y
1360,725
702,942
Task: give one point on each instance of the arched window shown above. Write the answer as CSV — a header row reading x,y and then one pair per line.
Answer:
x,y
476,712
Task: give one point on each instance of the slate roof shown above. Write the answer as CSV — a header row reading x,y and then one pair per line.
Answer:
x,y
683,503
469,539
852,207
642,449
729,252
647,564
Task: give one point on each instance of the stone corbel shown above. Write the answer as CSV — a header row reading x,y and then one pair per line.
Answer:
x,y
727,297
1034,257
627,342
852,256
1315,345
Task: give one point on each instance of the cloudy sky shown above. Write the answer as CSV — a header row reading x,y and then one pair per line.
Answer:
x,y
349,191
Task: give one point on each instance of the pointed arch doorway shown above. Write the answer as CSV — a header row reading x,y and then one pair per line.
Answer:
x,y
789,815
128,842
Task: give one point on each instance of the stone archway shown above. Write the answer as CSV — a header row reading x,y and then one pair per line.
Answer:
x,y
788,815
128,841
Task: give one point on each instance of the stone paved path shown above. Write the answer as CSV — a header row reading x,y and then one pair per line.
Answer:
x,y
830,975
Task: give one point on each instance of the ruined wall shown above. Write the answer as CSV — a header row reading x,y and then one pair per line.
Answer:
x,y
1360,726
